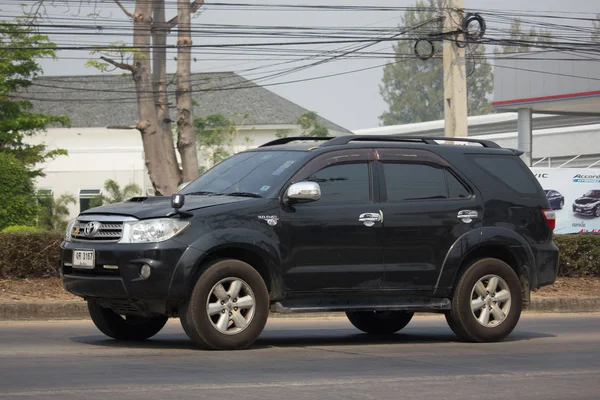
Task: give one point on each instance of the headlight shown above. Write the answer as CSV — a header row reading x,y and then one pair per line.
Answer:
x,y
152,230
69,229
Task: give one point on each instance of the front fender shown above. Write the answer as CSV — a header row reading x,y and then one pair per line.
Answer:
x,y
234,238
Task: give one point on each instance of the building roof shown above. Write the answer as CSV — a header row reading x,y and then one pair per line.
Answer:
x,y
110,100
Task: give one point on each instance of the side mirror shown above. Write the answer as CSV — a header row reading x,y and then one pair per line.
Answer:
x,y
182,186
303,192
177,201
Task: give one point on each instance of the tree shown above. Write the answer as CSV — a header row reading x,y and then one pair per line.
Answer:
x,y
19,206
145,60
53,212
20,46
114,193
216,134
413,88
520,41
311,126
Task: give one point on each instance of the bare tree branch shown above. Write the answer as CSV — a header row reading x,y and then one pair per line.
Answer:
x,y
122,7
117,64
194,6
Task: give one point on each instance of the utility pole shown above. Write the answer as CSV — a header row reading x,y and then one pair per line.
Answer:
x,y
455,75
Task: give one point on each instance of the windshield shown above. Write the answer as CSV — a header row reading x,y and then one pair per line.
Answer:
x,y
593,193
252,173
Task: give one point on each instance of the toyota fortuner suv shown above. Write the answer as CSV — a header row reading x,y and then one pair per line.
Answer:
x,y
378,227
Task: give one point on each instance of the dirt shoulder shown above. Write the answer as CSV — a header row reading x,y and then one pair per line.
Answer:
x,y
50,289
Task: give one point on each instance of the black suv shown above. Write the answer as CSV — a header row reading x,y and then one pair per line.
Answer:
x,y
379,227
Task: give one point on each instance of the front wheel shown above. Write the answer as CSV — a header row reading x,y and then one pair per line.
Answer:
x,y
486,305
379,322
228,308
124,328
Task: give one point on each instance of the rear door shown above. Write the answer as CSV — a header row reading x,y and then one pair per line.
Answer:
x,y
426,207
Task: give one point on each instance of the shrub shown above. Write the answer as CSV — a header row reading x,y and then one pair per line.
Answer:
x,y
579,255
35,254
21,229
29,254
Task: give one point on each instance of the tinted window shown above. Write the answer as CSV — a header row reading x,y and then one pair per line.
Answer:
x,y
456,190
255,172
414,181
343,184
510,170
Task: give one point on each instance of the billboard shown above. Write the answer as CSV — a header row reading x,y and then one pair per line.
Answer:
x,y
574,194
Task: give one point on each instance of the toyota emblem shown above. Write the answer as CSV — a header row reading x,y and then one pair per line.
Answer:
x,y
91,228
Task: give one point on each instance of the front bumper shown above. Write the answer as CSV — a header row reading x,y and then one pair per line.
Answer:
x,y
583,211
115,278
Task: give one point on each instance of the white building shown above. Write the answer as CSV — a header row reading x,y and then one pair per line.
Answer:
x,y
97,153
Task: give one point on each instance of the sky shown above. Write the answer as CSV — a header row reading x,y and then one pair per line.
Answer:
x,y
351,100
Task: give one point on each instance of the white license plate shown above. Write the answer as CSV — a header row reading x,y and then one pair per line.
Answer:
x,y
84,259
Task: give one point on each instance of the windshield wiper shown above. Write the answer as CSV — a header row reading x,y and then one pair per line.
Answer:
x,y
202,193
242,194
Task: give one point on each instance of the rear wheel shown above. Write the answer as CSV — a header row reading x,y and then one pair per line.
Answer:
x,y
228,308
124,328
379,322
597,211
486,305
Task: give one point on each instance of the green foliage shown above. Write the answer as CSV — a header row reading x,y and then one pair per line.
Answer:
x,y
311,126
523,42
413,88
579,255
29,254
17,198
20,46
115,50
54,212
215,134
22,229
282,133
114,193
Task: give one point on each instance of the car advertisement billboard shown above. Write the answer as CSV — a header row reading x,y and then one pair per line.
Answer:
x,y
574,193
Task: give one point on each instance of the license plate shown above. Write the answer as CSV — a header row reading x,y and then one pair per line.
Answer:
x,y
84,259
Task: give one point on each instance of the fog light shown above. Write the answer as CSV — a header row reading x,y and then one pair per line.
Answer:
x,y
145,271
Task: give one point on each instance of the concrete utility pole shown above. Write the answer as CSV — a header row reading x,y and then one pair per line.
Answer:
x,y
455,75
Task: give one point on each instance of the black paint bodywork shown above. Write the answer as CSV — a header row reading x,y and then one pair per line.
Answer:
x,y
320,257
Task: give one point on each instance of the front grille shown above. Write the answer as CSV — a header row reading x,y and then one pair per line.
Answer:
x,y
105,228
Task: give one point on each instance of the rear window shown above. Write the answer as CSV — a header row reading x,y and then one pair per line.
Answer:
x,y
510,170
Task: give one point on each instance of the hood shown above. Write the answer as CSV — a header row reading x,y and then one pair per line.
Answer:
x,y
587,200
160,206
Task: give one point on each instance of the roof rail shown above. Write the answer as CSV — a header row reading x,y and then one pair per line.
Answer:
x,y
290,139
398,138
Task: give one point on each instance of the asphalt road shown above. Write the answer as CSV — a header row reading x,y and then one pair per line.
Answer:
x,y
547,357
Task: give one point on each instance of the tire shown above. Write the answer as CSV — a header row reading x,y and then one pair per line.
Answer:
x,y
379,322
561,205
129,328
496,324
232,325
597,212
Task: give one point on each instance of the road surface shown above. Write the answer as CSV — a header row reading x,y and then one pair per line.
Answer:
x,y
547,357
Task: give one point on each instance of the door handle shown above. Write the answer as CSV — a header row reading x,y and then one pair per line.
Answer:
x,y
467,216
369,219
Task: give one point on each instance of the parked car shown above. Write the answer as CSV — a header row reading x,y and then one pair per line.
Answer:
x,y
588,204
557,200
379,227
